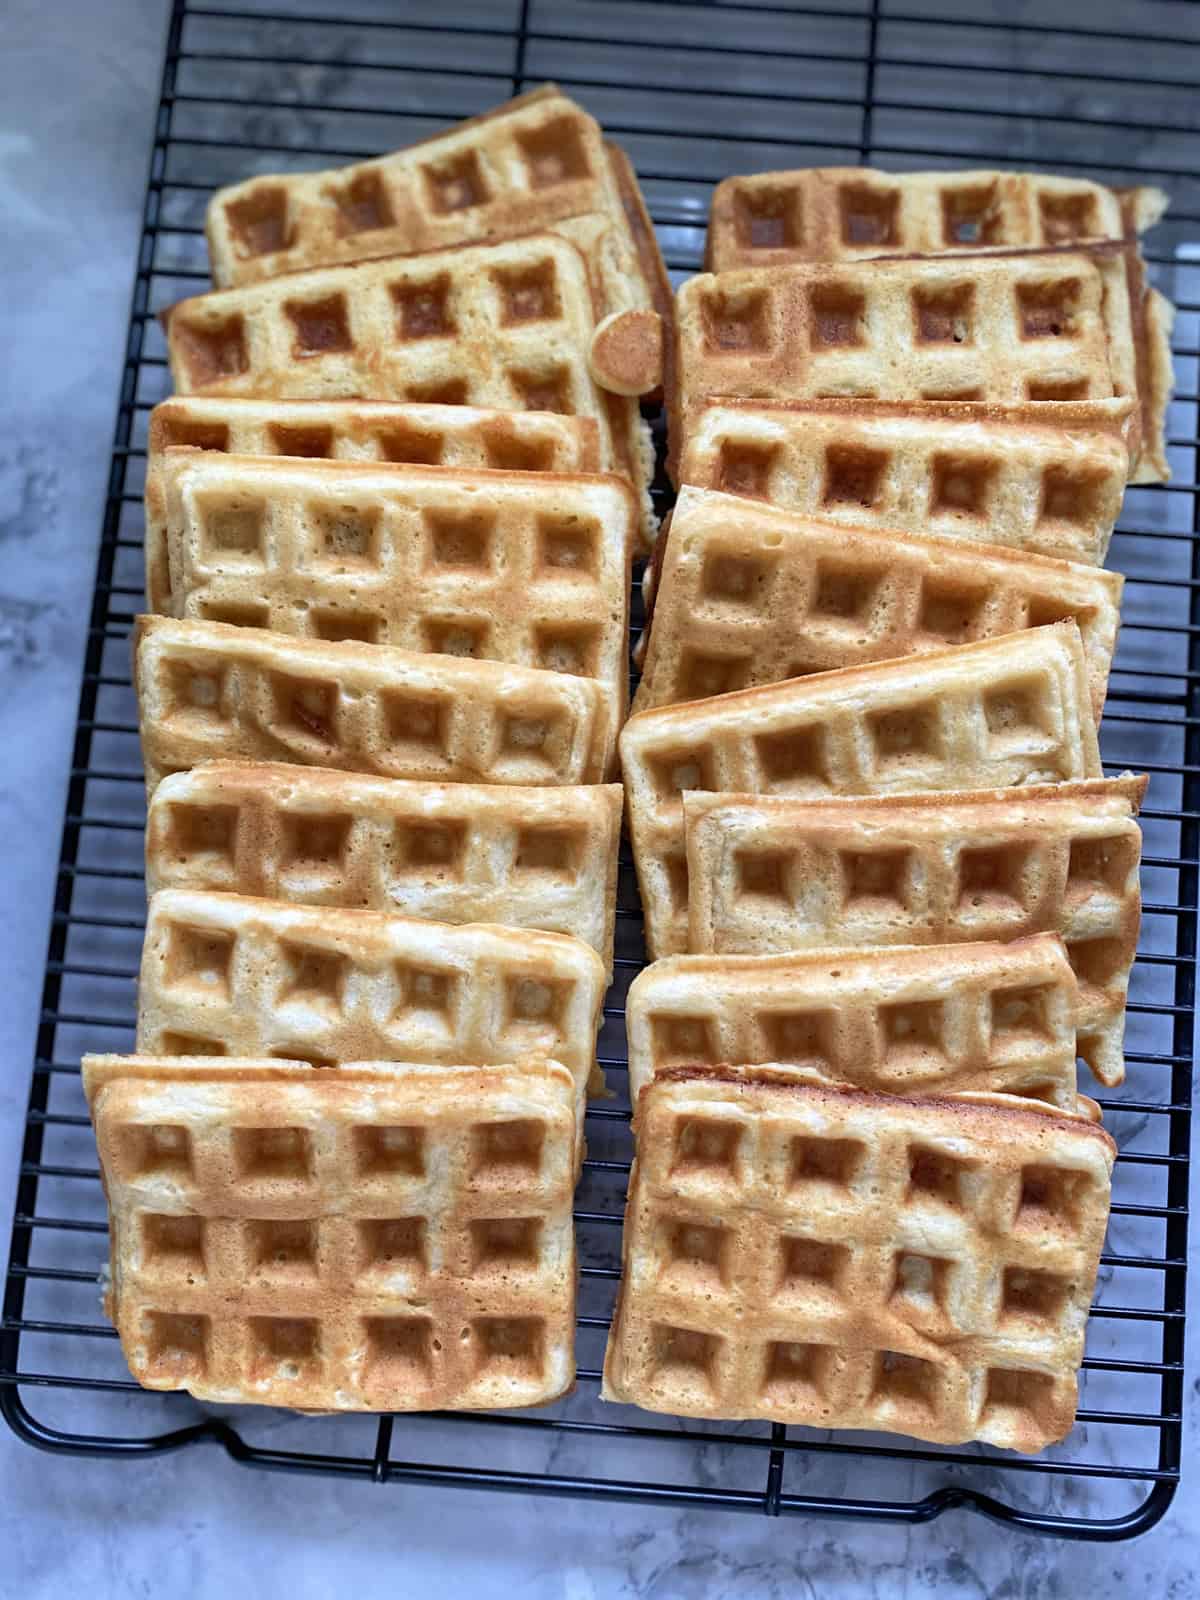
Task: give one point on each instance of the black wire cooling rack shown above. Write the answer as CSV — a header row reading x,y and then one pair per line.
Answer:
x,y
694,91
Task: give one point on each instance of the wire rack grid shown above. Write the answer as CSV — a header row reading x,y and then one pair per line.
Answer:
x,y
694,91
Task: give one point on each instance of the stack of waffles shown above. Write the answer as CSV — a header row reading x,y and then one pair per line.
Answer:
x,y
391,517
391,513
890,895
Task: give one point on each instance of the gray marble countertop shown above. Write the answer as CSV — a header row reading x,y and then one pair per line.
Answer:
x,y
77,89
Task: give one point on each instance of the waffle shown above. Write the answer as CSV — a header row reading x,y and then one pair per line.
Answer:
x,y
426,435
528,568
1046,477
822,1256
530,858
770,874
537,162
507,326
989,328
226,974
773,219
748,594
1137,322
382,1243
769,219
993,1017
1006,711
207,690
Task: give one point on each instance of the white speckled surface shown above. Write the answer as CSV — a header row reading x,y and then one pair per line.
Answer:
x,y
77,88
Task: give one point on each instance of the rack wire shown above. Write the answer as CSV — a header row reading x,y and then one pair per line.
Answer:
x,y
695,91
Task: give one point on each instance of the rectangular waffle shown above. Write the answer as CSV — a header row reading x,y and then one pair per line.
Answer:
x,y
522,567
395,1241
773,874
508,326
458,852
1011,710
1047,477
822,1256
987,1016
839,214
355,430
536,162
226,974
748,594
208,690
994,328
771,219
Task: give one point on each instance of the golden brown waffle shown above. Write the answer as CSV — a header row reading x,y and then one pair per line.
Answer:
x,y
209,691
748,594
993,1017
994,328
823,1256
358,430
1046,477
395,1240
226,974
768,219
536,162
522,567
460,852
1137,323
772,874
773,219
507,326
1012,710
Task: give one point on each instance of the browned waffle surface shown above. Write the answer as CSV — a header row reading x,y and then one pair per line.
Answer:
x,y
387,1240
506,326
472,437
1001,329
528,568
773,874
849,213
539,161
984,1016
1047,477
210,690
748,594
461,852
1007,711
811,1255
233,975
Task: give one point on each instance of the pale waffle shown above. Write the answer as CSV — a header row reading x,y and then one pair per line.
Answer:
x,y
993,1017
748,594
522,567
207,690
769,219
1046,477
506,326
1012,710
386,1240
814,1255
461,852
992,328
772,874
536,162
354,430
226,974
